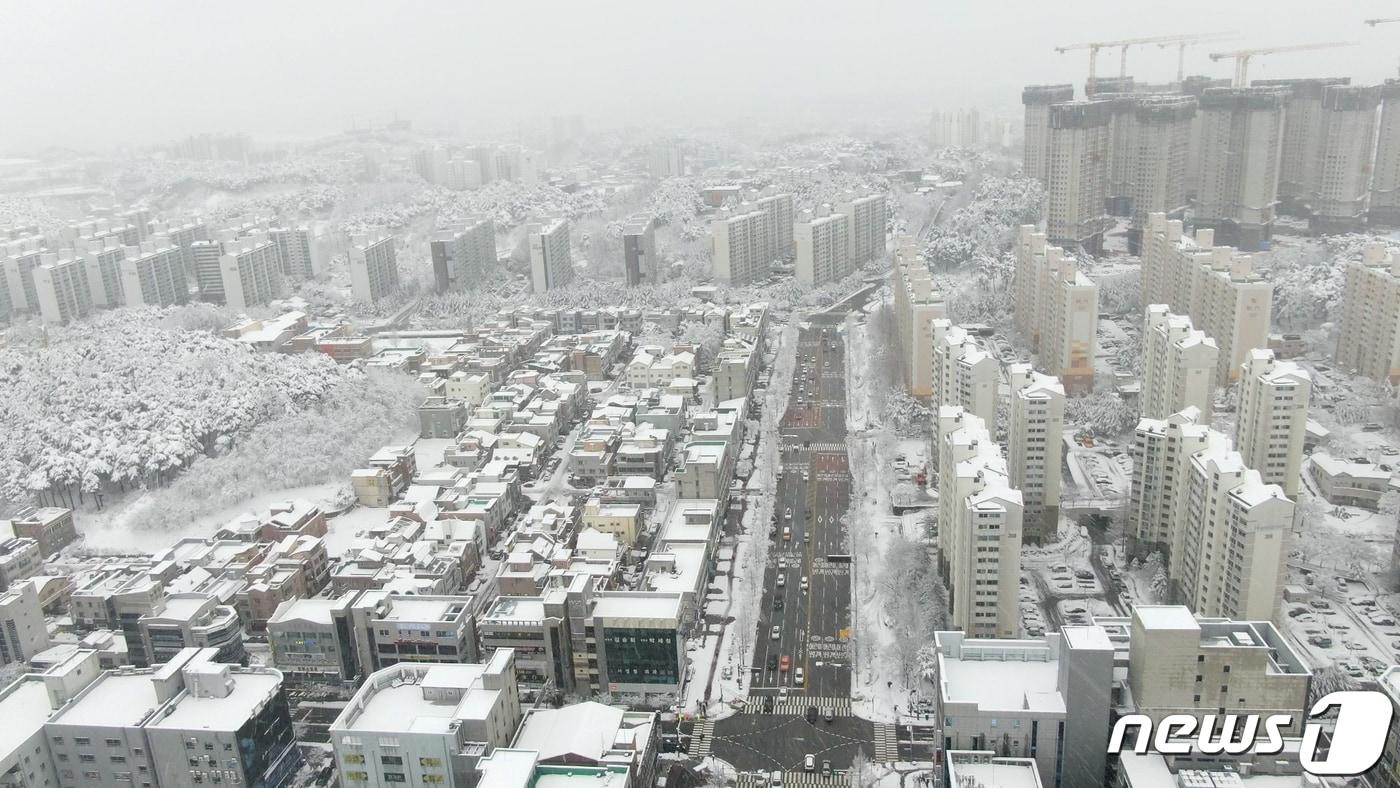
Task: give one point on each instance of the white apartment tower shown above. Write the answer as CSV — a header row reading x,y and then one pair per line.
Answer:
x,y
867,217
964,373
979,527
1215,286
1179,365
1273,417
780,210
374,268
1385,175
1160,143
103,261
153,274
551,256
823,248
1076,186
463,254
741,251
63,289
1241,141
1369,342
1035,445
1225,530
23,632
297,247
1343,188
1037,100
1301,156
251,273
1057,309
917,303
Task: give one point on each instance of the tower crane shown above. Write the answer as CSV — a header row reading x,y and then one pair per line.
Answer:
x,y
1124,44
1201,39
1243,56
1386,20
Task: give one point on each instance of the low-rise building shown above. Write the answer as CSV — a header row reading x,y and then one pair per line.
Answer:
x,y
1348,482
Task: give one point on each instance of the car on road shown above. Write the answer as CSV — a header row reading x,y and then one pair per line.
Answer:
x,y
804,476
788,513
812,714
777,603
767,704
772,661
785,663
782,579
809,763
775,780
804,582
798,677
777,632
830,717
787,533
826,768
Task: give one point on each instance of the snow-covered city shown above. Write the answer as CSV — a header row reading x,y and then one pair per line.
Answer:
x,y
364,423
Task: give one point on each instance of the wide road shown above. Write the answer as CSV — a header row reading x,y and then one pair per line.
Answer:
x,y
800,656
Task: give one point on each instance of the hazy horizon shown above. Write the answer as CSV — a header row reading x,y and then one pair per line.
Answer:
x,y
93,76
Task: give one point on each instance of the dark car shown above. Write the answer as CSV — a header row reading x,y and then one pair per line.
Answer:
x,y
772,661
812,714
777,603
767,704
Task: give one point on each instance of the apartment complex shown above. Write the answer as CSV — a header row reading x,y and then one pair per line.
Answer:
x,y
979,532
964,373
62,287
1215,286
374,268
153,274
1224,528
867,216
551,255
1339,198
463,254
1038,100
1242,131
250,271
1035,445
297,248
640,263
823,248
1179,365
1078,153
1159,144
1057,309
1369,342
917,302
1273,418
741,252
1302,144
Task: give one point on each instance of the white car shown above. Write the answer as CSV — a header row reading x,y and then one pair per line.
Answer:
x,y
809,763
777,633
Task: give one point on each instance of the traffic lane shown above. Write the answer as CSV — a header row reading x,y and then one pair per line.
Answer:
x,y
769,742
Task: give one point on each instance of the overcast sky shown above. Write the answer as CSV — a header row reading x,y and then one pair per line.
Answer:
x,y
93,74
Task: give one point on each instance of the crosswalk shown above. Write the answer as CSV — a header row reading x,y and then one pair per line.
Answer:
x,y
701,738
827,446
797,705
837,779
886,743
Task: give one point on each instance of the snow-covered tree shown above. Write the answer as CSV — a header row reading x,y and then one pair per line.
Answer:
x,y
1103,413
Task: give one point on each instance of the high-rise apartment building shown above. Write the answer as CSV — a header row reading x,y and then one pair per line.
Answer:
x,y
1037,100
964,373
1241,143
1369,342
251,272
916,303
374,267
979,527
740,250
204,258
1340,198
1196,86
780,211
1076,185
1057,309
103,261
1160,143
297,248
1122,128
463,254
1302,145
867,217
1385,175
63,289
1225,530
153,274
17,268
823,248
639,260
1215,286
551,255
183,235
1179,363
1035,445
1273,417
23,632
